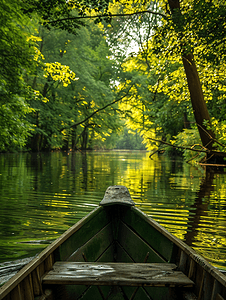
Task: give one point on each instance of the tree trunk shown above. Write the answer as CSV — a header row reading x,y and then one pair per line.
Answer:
x,y
186,122
194,85
74,139
197,99
84,136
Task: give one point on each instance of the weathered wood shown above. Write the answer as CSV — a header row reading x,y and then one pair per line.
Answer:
x,y
23,273
16,293
191,269
153,237
95,247
122,255
188,296
183,261
36,278
118,233
93,293
82,235
200,293
136,247
108,254
207,287
141,294
117,194
219,297
47,295
217,290
48,263
116,274
199,261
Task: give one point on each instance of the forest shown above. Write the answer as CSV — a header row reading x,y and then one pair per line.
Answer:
x,y
84,75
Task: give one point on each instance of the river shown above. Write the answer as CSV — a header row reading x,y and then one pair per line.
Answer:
x,y
43,194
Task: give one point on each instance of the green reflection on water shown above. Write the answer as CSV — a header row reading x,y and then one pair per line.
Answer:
x,y
42,195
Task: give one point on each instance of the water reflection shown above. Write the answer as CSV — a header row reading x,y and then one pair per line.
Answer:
x,y
43,194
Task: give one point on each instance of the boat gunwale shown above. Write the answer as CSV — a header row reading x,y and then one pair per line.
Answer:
x,y
218,275
34,263
31,266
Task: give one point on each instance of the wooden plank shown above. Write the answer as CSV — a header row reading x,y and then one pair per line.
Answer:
x,y
157,293
192,268
217,290
189,296
122,255
115,294
108,255
219,297
141,294
200,294
130,274
221,278
81,236
161,244
183,261
207,286
16,293
48,263
26,289
94,293
36,279
136,248
15,280
95,247
47,295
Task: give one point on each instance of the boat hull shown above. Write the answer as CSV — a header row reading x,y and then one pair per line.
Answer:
x,y
122,235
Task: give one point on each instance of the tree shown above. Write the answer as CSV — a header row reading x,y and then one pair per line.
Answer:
x,y
199,105
169,30
15,61
180,28
76,114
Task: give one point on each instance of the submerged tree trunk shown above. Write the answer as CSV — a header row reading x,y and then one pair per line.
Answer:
x,y
197,99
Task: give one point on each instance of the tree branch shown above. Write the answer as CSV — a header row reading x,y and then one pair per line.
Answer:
x,y
110,15
207,151
207,133
102,108
181,147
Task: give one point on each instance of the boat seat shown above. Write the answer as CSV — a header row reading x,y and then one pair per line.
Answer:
x,y
123,274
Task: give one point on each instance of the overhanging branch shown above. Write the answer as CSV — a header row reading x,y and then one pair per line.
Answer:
x,y
109,16
100,109
207,151
182,147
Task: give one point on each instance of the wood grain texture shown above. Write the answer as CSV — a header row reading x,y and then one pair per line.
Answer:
x,y
139,274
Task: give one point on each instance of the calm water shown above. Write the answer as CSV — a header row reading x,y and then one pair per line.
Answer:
x,y
42,195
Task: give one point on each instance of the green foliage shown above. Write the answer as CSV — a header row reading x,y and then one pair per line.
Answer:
x,y
67,110
130,140
164,93
15,54
67,84
189,138
15,60
65,15
219,128
14,129
197,27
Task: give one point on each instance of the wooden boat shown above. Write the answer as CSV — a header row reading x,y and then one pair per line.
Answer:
x,y
117,252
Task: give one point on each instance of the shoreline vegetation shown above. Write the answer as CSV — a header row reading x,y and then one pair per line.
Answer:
x,y
101,75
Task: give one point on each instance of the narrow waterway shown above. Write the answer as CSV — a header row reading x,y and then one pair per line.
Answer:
x,y
42,195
